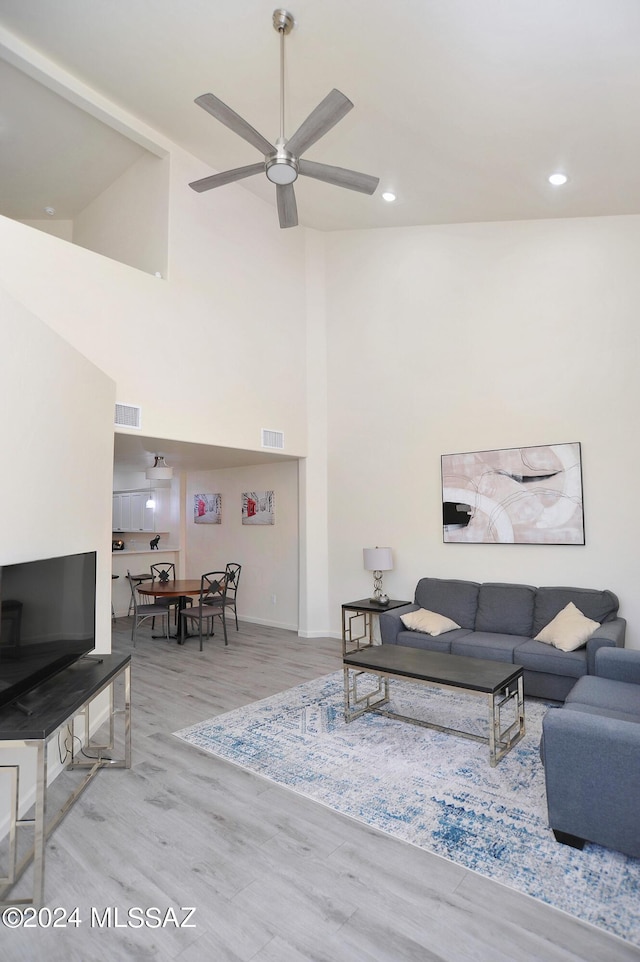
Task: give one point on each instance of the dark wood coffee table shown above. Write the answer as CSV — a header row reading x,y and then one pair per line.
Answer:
x,y
499,681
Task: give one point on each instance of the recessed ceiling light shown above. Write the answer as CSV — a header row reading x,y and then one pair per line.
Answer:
x,y
389,196
558,179
50,211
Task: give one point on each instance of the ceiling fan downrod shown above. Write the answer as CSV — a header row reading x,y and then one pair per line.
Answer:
x,y
283,22
282,167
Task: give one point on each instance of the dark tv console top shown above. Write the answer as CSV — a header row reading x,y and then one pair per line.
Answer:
x,y
49,705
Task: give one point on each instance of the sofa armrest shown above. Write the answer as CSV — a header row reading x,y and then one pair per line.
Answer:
x,y
390,624
619,664
592,777
610,634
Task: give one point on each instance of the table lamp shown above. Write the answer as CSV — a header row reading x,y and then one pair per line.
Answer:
x,y
378,560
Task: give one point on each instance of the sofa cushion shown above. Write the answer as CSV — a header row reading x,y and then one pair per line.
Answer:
x,y
598,605
418,639
607,713
605,694
568,630
489,645
506,608
536,656
457,600
428,621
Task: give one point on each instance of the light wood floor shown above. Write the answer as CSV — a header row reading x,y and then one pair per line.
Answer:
x,y
273,877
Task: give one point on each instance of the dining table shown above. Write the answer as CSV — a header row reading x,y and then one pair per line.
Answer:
x,y
182,589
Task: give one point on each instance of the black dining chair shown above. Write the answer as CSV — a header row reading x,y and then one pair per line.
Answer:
x,y
137,579
232,576
210,605
142,612
233,571
166,571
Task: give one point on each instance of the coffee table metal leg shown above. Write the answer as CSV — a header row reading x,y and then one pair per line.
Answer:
x,y
501,740
356,704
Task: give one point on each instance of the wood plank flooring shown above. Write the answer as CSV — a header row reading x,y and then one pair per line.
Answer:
x,y
273,877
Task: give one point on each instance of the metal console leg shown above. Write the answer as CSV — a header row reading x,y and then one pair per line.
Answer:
x,y
14,789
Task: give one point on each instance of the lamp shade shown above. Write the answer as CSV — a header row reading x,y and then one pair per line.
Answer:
x,y
160,470
377,559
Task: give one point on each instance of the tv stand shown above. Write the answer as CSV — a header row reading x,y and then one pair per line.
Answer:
x,y
57,703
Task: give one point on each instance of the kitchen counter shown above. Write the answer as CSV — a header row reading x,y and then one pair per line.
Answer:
x,y
128,551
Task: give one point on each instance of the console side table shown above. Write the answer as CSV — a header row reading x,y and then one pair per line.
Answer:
x,y
364,609
56,704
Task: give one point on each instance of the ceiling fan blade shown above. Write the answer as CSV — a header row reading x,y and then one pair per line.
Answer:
x,y
234,122
325,116
226,177
287,207
339,176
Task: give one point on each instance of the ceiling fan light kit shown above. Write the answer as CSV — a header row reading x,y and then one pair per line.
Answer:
x,y
282,162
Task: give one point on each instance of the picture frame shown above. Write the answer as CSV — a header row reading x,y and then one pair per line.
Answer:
x,y
207,509
258,507
528,495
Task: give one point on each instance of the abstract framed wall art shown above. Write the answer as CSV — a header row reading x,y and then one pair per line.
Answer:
x,y
207,509
514,496
258,507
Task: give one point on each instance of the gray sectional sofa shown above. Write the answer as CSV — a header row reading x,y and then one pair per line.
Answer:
x,y
591,753
499,622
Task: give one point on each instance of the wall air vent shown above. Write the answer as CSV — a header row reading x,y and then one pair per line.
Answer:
x,y
272,439
128,415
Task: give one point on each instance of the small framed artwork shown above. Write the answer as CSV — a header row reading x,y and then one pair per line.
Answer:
x,y
258,507
514,496
207,509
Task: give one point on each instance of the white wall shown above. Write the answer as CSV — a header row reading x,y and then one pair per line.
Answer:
x,y
56,414
129,220
472,337
59,228
214,352
268,553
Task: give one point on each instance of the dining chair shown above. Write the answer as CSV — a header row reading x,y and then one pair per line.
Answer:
x,y
113,613
142,612
138,579
157,573
232,571
232,578
210,604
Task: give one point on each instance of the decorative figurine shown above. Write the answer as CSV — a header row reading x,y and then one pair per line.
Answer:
x,y
154,542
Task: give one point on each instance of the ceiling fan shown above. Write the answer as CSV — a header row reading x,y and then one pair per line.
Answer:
x,y
283,161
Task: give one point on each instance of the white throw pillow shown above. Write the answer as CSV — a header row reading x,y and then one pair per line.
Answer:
x,y
428,621
570,629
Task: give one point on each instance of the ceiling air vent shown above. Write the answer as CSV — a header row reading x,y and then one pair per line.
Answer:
x,y
272,439
128,415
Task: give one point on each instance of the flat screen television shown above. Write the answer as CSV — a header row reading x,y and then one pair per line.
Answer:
x,y
48,614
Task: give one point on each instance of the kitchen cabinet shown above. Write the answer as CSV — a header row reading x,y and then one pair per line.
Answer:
x,y
130,512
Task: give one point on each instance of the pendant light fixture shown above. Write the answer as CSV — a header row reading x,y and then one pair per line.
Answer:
x,y
160,470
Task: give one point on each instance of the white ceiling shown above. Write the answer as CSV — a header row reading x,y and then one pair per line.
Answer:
x,y
52,153
134,452
462,107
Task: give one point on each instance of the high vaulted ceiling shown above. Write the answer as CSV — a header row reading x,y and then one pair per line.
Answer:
x,y
462,107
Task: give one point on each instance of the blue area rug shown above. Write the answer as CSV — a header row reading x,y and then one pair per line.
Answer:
x,y
434,790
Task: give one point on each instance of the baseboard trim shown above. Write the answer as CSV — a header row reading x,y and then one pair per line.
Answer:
x,y
319,634
263,621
